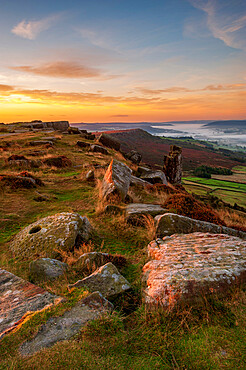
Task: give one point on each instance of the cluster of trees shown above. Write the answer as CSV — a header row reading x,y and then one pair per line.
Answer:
x,y
206,171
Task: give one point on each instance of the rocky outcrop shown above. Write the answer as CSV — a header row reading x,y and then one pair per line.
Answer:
x,y
173,165
136,211
46,269
116,180
98,149
45,237
109,141
171,223
183,268
154,177
134,156
54,125
107,280
70,323
18,299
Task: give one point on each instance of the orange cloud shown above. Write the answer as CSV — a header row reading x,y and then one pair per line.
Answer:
x,y
6,88
61,69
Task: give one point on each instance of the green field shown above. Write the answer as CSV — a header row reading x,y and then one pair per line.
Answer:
x,y
213,183
229,191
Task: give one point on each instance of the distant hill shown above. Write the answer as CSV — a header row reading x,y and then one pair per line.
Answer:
x,y
153,149
227,124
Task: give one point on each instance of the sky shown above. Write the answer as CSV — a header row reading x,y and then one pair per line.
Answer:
x,y
122,61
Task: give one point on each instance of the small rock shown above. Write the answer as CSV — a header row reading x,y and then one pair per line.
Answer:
x,y
155,177
59,162
90,176
83,144
106,280
46,269
134,156
98,149
136,211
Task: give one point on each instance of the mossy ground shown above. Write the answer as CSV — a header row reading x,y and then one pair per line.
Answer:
x,y
210,336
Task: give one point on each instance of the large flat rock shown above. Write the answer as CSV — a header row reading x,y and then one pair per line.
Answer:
x,y
66,326
18,299
136,211
171,223
184,267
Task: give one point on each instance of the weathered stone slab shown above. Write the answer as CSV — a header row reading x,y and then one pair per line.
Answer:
x,y
116,180
171,223
66,326
46,269
46,236
135,211
107,280
155,177
18,299
184,267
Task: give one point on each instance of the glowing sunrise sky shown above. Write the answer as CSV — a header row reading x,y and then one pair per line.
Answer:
x,y
121,60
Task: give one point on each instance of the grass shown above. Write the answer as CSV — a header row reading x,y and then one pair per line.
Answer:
x,y
209,336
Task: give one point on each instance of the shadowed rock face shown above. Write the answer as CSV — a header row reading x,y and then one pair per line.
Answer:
x,y
66,326
173,165
19,298
109,141
44,237
185,267
116,180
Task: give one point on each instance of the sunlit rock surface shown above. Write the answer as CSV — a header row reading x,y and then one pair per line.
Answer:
x,y
184,267
116,180
18,299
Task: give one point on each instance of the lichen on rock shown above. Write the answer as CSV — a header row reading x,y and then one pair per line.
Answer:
x,y
45,237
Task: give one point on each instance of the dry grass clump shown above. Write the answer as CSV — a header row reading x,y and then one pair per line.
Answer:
x,y
186,205
233,219
72,257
